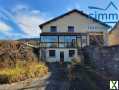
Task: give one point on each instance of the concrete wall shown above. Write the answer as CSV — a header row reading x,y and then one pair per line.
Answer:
x,y
57,57
104,59
80,22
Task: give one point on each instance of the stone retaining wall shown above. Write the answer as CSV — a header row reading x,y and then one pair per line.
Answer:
x,y
103,59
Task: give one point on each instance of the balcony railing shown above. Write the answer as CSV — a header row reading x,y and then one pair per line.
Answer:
x,y
66,41
58,45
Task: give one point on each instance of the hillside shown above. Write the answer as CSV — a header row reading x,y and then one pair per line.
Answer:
x,y
33,41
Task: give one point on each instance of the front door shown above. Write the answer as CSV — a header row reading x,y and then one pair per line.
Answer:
x,y
61,56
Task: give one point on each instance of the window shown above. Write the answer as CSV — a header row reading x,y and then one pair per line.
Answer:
x,y
79,42
70,28
84,41
49,38
71,53
53,29
52,53
69,38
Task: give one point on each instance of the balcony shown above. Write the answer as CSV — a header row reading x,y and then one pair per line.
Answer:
x,y
58,45
66,41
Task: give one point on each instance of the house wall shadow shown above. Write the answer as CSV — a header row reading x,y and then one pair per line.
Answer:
x,y
36,53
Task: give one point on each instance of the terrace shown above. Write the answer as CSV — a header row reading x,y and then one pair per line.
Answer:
x,y
66,40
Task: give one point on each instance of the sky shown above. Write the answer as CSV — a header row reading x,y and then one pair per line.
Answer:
x,y
20,18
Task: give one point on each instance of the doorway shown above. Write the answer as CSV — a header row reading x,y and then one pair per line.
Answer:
x,y
61,56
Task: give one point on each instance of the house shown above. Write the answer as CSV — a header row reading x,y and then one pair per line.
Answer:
x,y
114,35
63,37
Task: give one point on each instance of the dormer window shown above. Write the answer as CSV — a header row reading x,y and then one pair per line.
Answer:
x,y
53,29
70,28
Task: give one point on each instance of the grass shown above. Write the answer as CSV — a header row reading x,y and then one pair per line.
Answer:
x,y
22,71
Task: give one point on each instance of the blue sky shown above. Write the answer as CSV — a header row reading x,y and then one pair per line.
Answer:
x,y
20,18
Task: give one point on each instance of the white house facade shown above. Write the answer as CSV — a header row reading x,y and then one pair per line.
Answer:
x,y
63,37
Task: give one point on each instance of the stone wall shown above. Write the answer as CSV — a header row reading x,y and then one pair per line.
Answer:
x,y
104,59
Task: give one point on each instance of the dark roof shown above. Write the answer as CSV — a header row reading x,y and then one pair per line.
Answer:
x,y
74,10
115,26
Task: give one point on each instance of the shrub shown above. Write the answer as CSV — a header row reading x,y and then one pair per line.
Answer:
x,y
22,72
77,60
12,51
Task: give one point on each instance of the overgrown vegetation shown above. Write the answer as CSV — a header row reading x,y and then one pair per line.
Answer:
x,y
13,51
22,71
19,62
